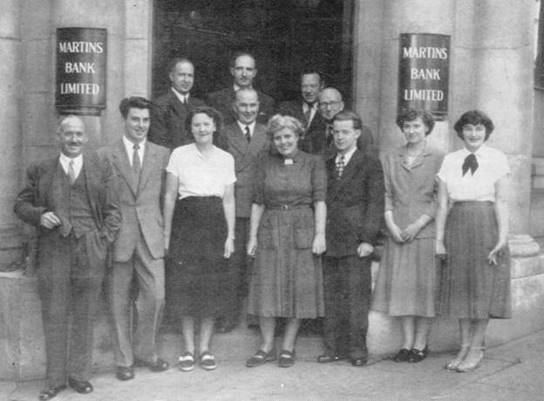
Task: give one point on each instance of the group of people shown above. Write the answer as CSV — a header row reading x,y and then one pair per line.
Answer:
x,y
205,204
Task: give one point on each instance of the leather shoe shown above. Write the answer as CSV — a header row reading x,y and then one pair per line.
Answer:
x,y
358,361
124,373
158,365
326,358
81,386
50,392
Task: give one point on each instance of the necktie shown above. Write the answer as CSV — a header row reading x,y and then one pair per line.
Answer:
x,y
308,114
340,164
136,163
71,172
328,134
248,134
470,163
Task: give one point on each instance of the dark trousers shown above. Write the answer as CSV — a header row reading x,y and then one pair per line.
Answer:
x,y
347,285
70,277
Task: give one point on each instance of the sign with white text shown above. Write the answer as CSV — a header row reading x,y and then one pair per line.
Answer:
x,y
81,70
424,72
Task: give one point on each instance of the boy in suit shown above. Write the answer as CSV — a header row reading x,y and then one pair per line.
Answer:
x,y
355,207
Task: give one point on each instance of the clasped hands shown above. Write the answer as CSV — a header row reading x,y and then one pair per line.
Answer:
x,y
406,235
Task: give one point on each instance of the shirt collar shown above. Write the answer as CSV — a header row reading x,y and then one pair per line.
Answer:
x,y
481,152
243,127
183,98
347,156
129,145
237,88
65,161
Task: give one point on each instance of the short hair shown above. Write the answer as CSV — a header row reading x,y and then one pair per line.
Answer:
x,y
133,102
278,122
172,64
474,117
215,115
235,55
235,93
65,119
348,115
311,71
409,114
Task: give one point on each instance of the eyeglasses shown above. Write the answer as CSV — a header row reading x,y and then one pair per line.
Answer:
x,y
328,104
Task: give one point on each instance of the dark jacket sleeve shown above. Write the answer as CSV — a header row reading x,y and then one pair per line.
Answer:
x,y
27,206
374,190
110,207
158,131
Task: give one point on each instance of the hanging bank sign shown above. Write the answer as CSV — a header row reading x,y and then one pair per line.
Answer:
x,y
81,70
424,72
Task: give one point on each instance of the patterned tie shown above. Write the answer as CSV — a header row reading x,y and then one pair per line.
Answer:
x,y
248,134
470,163
340,164
71,172
136,163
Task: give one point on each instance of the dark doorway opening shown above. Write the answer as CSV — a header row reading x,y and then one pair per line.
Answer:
x,y
285,36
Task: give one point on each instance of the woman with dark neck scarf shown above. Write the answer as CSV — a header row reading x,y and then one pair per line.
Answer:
x,y
472,230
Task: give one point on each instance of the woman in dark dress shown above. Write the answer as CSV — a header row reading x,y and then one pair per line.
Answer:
x,y
287,235
199,233
472,227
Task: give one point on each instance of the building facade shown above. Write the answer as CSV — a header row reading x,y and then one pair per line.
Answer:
x,y
491,67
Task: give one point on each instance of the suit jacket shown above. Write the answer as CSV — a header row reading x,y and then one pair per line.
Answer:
x,y
222,100
140,200
168,120
39,196
316,131
323,143
355,204
246,156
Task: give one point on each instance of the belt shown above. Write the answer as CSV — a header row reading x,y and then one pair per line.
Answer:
x,y
288,207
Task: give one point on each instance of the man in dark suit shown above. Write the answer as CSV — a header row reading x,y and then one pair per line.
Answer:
x,y
330,104
305,109
138,252
243,71
171,109
355,207
246,140
71,201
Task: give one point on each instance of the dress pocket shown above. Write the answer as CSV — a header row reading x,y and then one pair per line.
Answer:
x,y
303,238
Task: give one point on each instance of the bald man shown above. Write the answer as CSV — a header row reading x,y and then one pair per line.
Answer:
x,y
71,200
330,104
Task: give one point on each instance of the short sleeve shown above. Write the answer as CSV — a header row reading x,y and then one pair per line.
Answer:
x,y
230,175
319,179
444,168
501,168
173,163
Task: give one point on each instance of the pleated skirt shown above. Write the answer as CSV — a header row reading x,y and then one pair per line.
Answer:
x,y
199,280
470,287
407,281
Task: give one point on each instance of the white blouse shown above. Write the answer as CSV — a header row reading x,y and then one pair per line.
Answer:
x,y
492,166
200,175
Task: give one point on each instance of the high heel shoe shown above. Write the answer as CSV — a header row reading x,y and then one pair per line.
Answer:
x,y
469,364
454,363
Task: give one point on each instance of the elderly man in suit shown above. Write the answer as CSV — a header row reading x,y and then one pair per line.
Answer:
x,y
70,199
305,109
171,109
330,104
246,140
243,70
355,206
138,252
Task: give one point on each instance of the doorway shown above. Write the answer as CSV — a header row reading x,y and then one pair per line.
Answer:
x,y
285,36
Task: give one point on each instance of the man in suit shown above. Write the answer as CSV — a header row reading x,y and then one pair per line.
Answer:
x,y
305,109
138,252
243,71
330,104
171,109
71,200
355,207
246,140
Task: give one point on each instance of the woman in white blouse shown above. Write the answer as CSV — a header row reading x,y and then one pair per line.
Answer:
x,y
472,230
199,233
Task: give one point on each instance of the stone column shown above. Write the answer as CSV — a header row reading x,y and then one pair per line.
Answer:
x,y
10,134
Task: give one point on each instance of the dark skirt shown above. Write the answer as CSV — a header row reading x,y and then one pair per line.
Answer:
x,y
469,286
199,281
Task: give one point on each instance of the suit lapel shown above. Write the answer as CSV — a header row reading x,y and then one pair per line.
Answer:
x,y
237,139
120,158
179,108
348,172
